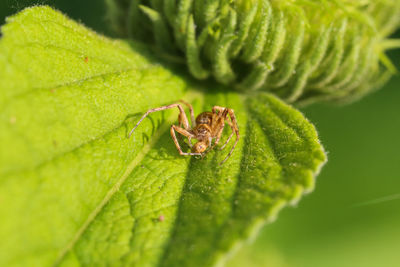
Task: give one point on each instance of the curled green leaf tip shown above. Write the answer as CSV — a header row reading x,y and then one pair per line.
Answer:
x,y
303,51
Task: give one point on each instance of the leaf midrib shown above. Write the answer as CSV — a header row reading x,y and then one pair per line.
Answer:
x,y
146,148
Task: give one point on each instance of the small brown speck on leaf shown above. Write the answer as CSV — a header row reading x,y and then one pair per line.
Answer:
x,y
86,59
13,120
161,218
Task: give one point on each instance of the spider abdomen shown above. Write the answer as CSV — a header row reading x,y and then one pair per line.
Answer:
x,y
204,118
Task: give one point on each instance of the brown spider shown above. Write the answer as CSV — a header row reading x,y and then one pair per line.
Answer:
x,y
206,127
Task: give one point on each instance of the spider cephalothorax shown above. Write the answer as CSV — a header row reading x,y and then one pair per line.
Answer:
x,y
206,127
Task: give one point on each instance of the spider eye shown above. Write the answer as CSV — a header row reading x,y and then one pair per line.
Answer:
x,y
203,121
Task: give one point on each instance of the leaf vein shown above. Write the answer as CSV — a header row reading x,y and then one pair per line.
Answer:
x,y
146,148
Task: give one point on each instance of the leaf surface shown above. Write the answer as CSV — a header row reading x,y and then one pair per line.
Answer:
x,y
74,190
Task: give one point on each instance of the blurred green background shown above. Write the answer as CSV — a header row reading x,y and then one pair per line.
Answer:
x,y
353,216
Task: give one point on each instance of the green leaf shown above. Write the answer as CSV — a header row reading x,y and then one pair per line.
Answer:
x,y
74,190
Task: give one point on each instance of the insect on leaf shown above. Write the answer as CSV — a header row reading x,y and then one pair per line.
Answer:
x,y
75,191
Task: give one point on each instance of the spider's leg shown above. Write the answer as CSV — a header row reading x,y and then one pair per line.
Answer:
x,y
191,112
230,136
218,137
182,116
235,128
190,142
191,119
221,111
185,133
